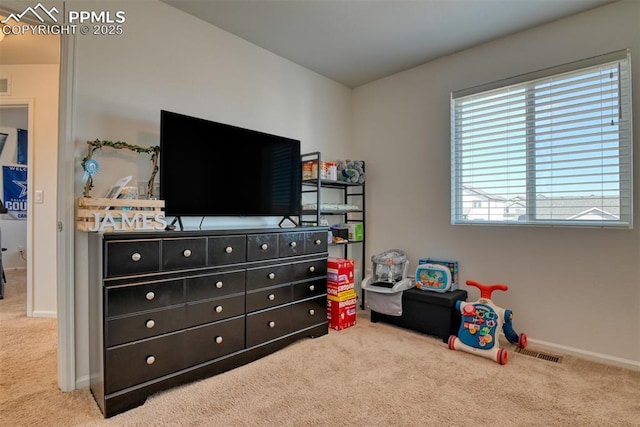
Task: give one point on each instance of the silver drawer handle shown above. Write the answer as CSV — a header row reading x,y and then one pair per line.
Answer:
x,y
187,253
218,309
312,312
219,284
312,269
150,324
228,249
271,297
312,288
150,360
293,244
218,340
272,324
136,257
272,276
318,241
150,296
264,246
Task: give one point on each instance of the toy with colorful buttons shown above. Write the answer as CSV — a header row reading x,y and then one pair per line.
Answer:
x,y
480,324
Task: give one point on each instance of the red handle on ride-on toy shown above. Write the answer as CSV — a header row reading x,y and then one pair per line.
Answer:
x,y
486,290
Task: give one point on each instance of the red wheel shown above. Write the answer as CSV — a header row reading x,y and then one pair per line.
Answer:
x,y
502,356
522,341
451,342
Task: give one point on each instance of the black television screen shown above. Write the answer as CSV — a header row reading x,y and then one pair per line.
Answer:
x,y
214,169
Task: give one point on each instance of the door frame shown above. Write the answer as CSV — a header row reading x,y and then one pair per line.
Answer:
x,y
65,250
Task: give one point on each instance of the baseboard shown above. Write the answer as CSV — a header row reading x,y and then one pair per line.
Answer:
x,y
44,313
83,382
586,355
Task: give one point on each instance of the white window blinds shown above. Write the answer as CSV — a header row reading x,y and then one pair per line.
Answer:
x,y
552,147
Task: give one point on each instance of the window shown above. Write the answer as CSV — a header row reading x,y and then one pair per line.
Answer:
x,y
553,147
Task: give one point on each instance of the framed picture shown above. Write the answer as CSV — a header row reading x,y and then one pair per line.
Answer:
x,y
116,189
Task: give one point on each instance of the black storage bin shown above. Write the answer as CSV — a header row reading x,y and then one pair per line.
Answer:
x,y
432,313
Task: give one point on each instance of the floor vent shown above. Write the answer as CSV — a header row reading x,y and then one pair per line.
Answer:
x,y
539,355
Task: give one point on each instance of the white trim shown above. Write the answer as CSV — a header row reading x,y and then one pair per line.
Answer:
x,y
587,355
29,104
65,217
45,313
83,382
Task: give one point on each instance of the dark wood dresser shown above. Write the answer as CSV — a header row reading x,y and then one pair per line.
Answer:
x,y
171,307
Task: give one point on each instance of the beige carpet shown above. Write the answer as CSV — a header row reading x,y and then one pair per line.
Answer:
x,y
367,375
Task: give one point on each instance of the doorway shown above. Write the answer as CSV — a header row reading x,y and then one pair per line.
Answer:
x,y
13,149
17,233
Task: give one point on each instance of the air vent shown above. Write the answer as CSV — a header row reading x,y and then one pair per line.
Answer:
x,y
539,355
5,86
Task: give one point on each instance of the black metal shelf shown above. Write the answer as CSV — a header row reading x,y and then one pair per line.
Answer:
x,y
349,190
328,183
332,212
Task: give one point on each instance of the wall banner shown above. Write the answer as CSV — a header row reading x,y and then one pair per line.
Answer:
x,y
15,191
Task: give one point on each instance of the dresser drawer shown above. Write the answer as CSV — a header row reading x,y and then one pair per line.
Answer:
x,y
309,269
227,250
268,297
262,246
131,328
131,364
215,340
309,313
315,242
184,253
309,289
148,296
215,285
291,244
128,258
268,276
267,325
214,310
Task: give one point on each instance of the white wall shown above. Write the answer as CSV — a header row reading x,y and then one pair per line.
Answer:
x,y
14,232
573,289
38,83
169,60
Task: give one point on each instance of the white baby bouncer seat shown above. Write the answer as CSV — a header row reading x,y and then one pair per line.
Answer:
x,y
386,282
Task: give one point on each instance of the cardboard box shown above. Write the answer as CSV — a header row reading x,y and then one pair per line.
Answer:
x,y
328,170
339,233
341,310
453,266
356,231
340,270
338,289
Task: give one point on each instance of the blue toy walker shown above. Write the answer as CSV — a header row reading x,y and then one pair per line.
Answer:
x,y
481,322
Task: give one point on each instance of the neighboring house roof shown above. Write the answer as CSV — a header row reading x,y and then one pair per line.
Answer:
x,y
557,208
594,213
481,193
576,207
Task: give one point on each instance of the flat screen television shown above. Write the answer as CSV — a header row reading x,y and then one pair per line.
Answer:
x,y
215,169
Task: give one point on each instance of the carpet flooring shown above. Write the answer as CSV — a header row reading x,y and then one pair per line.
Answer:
x,y
367,375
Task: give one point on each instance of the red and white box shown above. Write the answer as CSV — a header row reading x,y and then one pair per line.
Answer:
x,y
341,310
340,276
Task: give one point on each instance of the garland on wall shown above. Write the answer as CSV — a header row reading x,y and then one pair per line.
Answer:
x,y
90,166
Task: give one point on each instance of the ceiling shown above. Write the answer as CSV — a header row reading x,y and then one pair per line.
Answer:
x,y
350,41
357,41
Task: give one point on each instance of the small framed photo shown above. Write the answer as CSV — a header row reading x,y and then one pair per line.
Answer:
x,y
116,189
